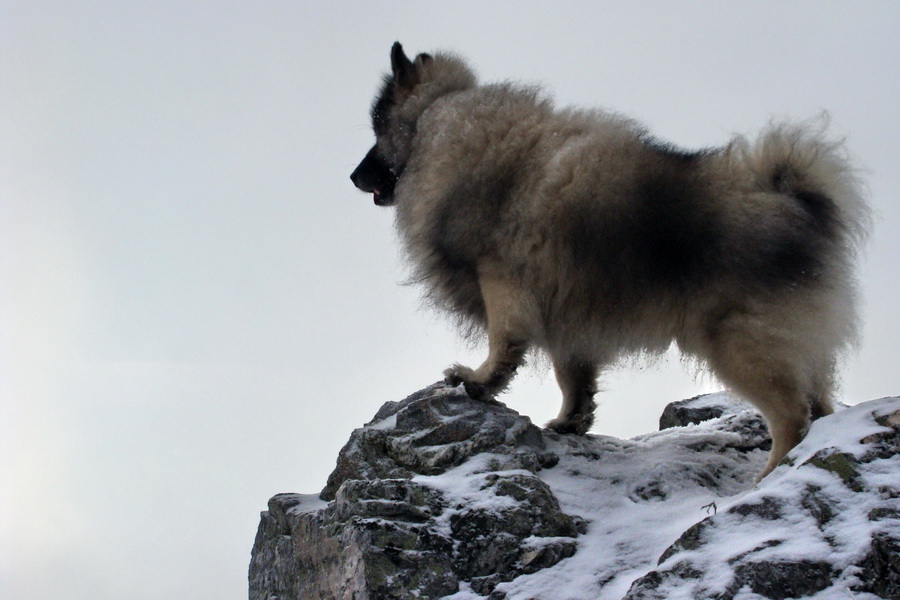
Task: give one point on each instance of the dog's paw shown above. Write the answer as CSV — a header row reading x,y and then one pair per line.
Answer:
x,y
458,374
477,391
577,424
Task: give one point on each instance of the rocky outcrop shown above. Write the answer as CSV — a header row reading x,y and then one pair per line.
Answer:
x,y
388,534
443,496
827,520
433,430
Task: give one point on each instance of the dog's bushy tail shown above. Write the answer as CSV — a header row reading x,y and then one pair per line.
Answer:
x,y
799,160
811,170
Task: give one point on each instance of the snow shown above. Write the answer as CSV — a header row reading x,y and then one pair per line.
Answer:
x,y
596,479
307,503
854,425
640,496
718,399
385,424
463,487
600,479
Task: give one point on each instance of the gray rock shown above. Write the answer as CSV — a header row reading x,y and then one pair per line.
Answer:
x,y
440,493
384,536
694,411
433,430
491,543
370,543
779,580
805,495
879,571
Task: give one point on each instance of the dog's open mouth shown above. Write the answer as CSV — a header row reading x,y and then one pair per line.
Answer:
x,y
384,196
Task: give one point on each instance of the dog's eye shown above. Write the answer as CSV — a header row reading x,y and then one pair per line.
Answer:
x,y
381,108
379,122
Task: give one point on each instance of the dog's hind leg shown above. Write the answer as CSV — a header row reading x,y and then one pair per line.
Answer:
x,y
820,401
787,414
509,323
772,367
778,395
578,381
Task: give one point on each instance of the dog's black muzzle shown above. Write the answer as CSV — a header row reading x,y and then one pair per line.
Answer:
x,y
373,175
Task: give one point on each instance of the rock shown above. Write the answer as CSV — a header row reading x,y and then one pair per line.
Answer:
x,y
879,570
442,496
362,546
385,535
433,430
495,545
756,544
698,409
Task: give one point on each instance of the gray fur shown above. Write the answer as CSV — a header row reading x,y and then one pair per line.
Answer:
x,y
576,233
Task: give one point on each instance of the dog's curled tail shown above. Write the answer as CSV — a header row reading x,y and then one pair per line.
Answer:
x,y
799,160
813,175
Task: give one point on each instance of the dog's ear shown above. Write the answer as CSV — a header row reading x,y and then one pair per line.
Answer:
x,y
405,75
422,60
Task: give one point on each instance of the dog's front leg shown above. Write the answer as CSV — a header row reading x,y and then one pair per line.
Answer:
x,y
578,381
508,325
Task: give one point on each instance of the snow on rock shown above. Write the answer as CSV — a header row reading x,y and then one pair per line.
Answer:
x,y
432,430
441,496
699,409
825,524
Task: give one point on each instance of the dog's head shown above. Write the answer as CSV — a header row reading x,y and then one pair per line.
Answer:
x,y
410,88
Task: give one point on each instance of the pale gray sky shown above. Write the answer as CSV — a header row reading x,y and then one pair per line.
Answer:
x,y
196,307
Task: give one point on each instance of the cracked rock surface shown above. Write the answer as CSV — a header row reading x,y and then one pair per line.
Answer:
x,y
442,496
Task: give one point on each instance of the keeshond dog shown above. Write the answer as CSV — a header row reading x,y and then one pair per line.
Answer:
x,y
576,233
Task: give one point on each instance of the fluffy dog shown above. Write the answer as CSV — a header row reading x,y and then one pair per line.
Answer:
x,y
576,233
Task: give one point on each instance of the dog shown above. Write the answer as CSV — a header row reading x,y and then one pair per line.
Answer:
x,y
578,234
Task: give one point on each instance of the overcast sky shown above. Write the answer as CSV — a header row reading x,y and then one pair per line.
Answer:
x,y
197,307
